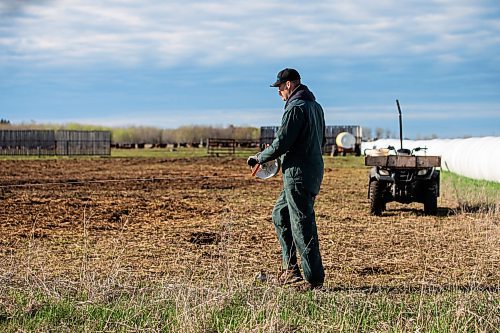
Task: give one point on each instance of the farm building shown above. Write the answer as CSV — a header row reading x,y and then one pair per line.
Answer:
x,y
49,142
268,133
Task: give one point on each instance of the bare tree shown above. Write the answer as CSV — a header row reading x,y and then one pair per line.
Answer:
x,y
153,135
367,133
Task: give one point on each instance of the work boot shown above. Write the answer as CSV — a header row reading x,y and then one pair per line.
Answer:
x,y
290,276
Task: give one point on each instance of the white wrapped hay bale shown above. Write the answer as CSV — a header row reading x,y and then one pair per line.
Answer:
x,y
477,158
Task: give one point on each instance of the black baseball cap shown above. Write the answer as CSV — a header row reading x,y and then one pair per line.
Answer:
x,y
288,74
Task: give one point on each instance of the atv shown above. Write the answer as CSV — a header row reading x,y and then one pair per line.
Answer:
x,y
402,176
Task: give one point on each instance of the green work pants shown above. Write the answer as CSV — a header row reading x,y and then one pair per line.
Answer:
x,y
295,225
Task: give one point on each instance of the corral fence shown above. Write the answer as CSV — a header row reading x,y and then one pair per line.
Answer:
x,y
49,142
217,146
268,133
83,143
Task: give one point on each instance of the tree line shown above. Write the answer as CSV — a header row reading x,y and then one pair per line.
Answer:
x,y
150,134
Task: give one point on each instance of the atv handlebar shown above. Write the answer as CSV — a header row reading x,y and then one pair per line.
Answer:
x,y
418,149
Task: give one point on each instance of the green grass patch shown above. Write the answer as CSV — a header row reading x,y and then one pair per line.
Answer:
x,y
36,158
181,152
469,183
259,309
39,312
472,195
339,162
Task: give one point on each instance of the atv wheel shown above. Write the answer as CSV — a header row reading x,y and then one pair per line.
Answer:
x,y
430,199
377,203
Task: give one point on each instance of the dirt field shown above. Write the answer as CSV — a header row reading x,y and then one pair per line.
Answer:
x,y
206,219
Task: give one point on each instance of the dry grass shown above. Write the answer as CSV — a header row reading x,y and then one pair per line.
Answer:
x,y
181,254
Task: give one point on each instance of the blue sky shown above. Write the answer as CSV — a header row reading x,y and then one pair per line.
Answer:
x,y
173,63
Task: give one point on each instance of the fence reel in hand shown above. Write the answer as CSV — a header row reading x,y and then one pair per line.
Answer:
x,y
266,170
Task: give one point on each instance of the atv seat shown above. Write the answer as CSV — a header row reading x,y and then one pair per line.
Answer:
x,y
404,151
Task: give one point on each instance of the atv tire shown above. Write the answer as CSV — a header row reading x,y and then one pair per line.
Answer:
x,y
430,199
377,203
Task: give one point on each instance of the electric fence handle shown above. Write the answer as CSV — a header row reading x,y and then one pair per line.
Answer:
x,y
255,169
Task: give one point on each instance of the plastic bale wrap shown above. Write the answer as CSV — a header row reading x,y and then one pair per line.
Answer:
x,y
476,158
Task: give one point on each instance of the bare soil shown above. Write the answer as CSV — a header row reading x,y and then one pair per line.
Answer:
x,y
207,218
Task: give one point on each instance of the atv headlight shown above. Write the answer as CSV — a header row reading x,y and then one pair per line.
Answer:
x,y
422,172
383,172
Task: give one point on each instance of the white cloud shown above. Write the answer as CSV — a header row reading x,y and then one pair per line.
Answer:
x,y
176,118
173,32
422,112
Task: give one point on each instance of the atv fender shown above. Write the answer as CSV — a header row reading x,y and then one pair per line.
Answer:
x,y
374,175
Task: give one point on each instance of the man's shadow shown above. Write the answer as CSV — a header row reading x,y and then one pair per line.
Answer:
x,y
447,211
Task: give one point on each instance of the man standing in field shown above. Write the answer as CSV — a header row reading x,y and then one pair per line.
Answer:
x,y
298,143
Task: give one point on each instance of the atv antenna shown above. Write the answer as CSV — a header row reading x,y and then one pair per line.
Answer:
x,y
400,125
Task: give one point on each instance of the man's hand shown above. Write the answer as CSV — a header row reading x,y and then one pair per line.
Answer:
x,y
252,161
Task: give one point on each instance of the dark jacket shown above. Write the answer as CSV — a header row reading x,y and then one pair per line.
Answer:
x,y
299,141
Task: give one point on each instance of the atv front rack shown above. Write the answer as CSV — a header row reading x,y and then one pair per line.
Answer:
x,y
403,162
